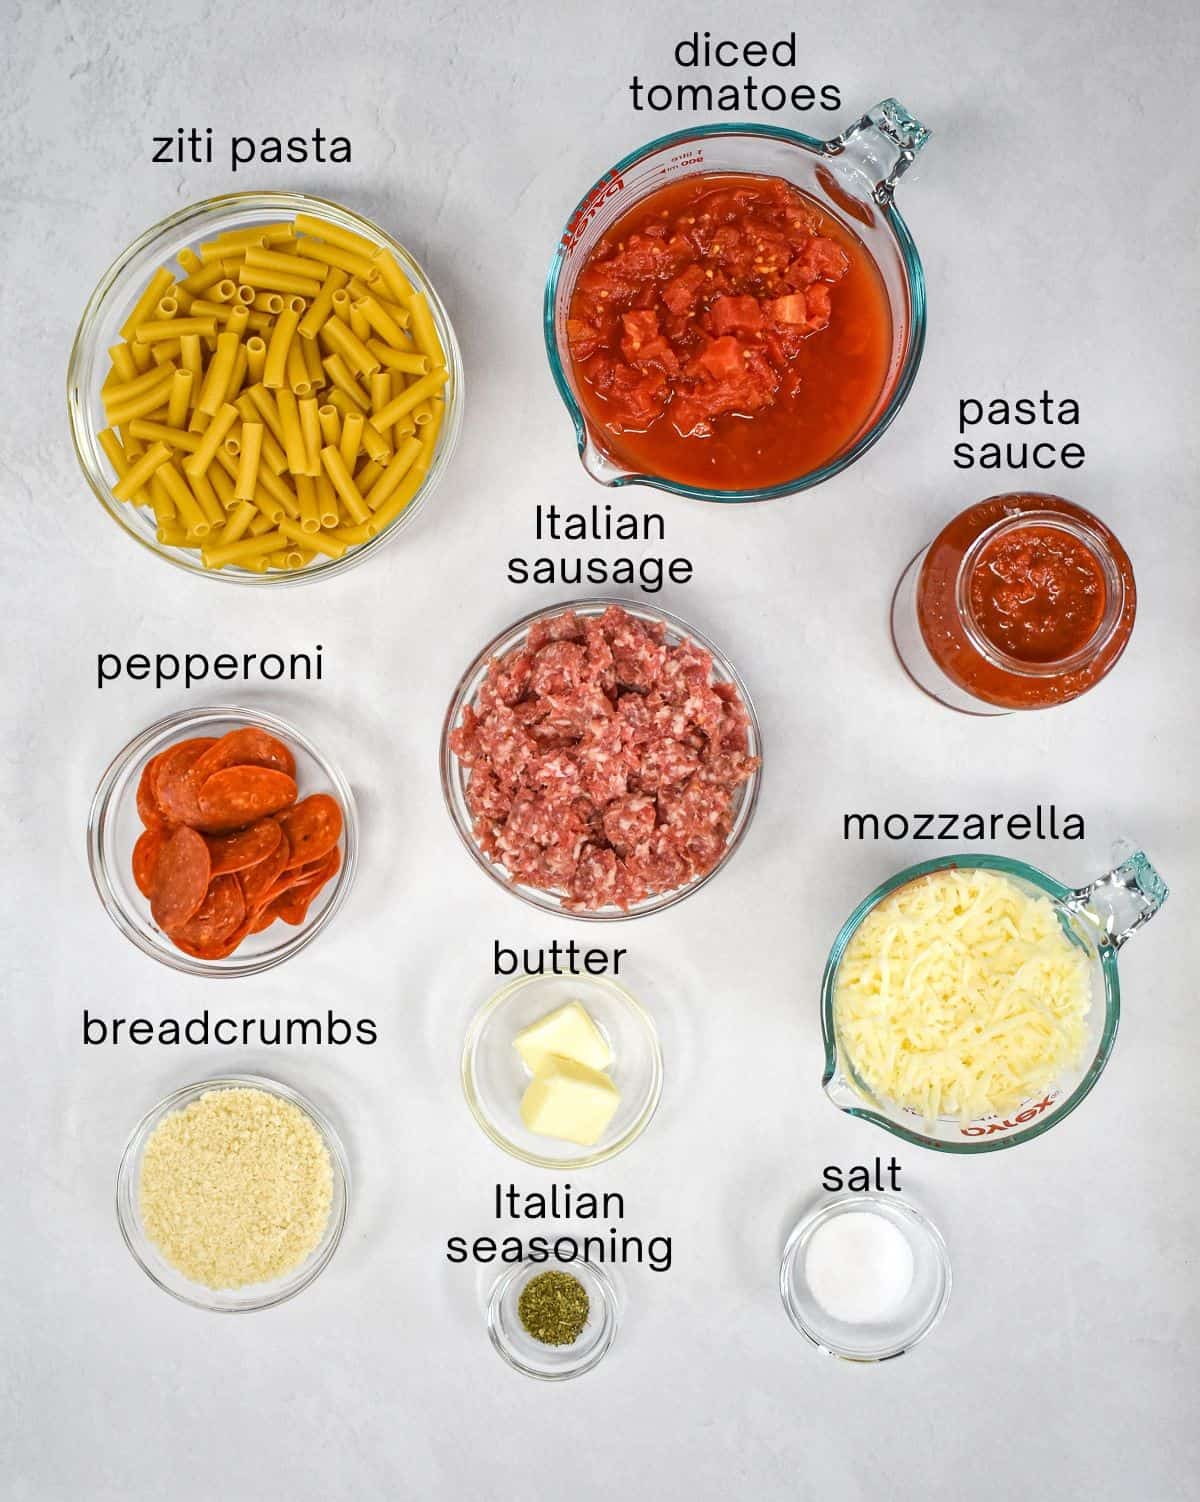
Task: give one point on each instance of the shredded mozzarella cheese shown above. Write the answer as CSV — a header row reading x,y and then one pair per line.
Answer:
x,y
960,995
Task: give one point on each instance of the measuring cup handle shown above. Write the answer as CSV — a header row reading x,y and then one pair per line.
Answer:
x,y
1123,899
884,144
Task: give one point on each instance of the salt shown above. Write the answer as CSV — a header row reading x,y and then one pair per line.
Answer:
x,y
859,1267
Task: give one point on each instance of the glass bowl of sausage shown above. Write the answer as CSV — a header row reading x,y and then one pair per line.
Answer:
x,y
601,759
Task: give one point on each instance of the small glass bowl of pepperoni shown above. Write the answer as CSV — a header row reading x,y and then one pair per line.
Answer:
x,y
601,759
230,864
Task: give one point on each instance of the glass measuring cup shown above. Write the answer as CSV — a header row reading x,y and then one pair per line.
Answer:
x,y
851,177
1098,917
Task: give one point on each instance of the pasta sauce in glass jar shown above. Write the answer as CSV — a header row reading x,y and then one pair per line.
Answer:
x,y
1021,602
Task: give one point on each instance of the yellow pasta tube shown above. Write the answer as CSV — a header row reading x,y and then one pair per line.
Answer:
x,y
379,386
206,496
351,441
321,542
327,502
191,358
292,265
171,534
306,494
393,278
359,324
352,535
187,506
188,259
278,281
115,454
382,322
403,360
376,443
339,373
293,435
351,261
136,476
237,376
173,328
247,475
123,367
256,358
177,401
411,397
268,505
217,376
268,409
343,483
311,351
238,319
387,482
297,371
366,477
321,306
244,551
125,391
340,306
238,520
310,428
165,351
398,500
267,302
423,328
223,420
161,432
275,370
331,424
341,340
334,234
223,291
158,286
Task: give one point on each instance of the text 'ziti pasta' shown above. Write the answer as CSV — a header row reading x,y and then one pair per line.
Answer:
x,y
277,398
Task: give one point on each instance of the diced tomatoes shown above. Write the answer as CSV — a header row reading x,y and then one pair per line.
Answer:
x,y
701,313
740,314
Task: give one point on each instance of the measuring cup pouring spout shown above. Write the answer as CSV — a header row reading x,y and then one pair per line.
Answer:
x,y
1098,919
852,177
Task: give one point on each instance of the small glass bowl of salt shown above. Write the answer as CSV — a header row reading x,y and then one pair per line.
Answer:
x,y
865,1277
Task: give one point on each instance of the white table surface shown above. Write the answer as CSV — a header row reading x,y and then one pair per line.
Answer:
x,y
1056,211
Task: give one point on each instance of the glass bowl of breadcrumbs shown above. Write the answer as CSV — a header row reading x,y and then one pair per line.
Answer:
x,y
232,1193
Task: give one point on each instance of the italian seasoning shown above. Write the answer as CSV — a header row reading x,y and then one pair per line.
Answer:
x,y
553,1307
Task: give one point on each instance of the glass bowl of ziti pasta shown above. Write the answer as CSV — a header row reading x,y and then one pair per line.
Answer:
x,y
264,388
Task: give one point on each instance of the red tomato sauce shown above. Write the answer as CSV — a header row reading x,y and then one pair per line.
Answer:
x,y
1038,594
726,333
1036,614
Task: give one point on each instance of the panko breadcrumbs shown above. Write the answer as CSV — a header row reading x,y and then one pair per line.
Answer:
x,y
236,1188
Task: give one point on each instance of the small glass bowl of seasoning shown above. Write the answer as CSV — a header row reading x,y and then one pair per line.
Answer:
x,y
553,1319
865,1277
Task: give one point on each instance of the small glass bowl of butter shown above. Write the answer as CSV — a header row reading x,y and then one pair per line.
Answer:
x,y
562,1071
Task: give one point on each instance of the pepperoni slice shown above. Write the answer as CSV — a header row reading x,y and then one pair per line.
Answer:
x,y
181,875
237,796
145,857
248,847
313,828
173,791
246,747
147,804
214,951
218,917
257,881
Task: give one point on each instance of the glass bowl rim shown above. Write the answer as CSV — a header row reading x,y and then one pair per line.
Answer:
x,y
272,201
837,1205
914,349
589,1158
128,1218
970,859
106,889
608,1332
448,762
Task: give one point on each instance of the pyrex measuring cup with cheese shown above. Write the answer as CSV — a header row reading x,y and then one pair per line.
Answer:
x,y
851,178
1097,918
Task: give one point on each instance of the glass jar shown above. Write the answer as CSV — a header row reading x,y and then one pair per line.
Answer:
x,y
852,178
1098,918
1023,601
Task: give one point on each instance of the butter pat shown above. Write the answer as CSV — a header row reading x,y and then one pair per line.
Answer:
x,y
568,1032
568,1100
